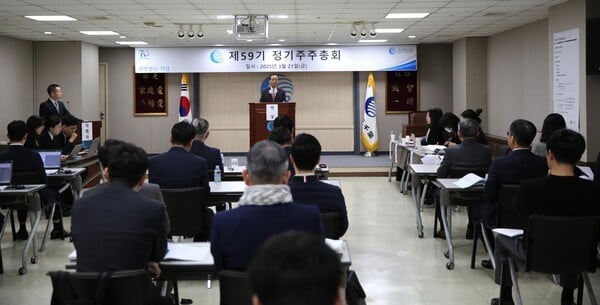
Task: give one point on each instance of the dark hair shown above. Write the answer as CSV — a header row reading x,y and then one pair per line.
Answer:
x,y
472,114
306,151
127,163
51,88
468,128
267,163
566,145
33,123
182,133
449,120
201,125
69,120
281,136
275,74
16,130
295,268
103,151
552,122
435,114
52,121
284,121
523,131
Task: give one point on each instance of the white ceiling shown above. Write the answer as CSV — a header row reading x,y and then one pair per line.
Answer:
x,y
309,22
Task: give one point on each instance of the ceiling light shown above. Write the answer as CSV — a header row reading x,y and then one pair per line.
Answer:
x,y
218,45
200,32
225,17
363,32
99,33
52,18
48,33
230,32
353,32
332,44
372,40
122,37
406,15
180,32
249,40
412,36
131,42
389,31
275,44
190,32
281,40
279,17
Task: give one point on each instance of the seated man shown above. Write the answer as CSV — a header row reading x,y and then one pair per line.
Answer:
x,y
266,208
283,137
468,153
118,228
24,160
210,154
552,195
295,268
521,164
306,187
67,137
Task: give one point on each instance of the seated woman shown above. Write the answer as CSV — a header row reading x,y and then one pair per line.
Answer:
x,y
449,122
552,122
474,114
435,131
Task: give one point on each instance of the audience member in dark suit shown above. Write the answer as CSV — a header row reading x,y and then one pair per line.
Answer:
x,y
118,228
514,168
178,168
48,138
35,127
468,153
475,115
559,194
296,268
449,122
435,133
286,121
23,160
199,148
306,187
67,137
597,169
283,137
53,105
265,209
273,94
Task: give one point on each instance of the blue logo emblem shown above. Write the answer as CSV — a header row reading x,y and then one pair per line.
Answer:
x,y
216,56
370,107
392,50
284,83
144,54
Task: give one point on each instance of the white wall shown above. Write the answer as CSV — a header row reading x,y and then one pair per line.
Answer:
x,y
89,82
16,100
459,76
518,77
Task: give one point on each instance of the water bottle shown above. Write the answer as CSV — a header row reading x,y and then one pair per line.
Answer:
x,y
217,174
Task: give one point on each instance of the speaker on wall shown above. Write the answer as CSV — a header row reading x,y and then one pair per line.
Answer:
x,y
593,46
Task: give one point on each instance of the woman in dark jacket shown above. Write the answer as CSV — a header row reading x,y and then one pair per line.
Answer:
x,y
35,127
474,114
449,122
435,133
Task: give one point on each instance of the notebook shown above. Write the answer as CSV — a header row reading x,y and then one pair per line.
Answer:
x,y
75,152
94,147
51,159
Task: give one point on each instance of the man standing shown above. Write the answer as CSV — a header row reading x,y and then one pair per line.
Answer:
x,y
273,94
559,194
53,105
265,209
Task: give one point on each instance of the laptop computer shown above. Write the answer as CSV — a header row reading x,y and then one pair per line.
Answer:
x,y
94,147
5,173
75,152
51,159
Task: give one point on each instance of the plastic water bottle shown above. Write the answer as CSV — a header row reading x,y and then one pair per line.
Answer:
x,y
217,174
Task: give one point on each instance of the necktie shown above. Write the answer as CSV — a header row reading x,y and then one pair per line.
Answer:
x,y
56,106
273,96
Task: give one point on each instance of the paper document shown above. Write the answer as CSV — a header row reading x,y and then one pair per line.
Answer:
x,y
185,252
51,171
508,232
469,180
335,245
73,255
431,160
432,148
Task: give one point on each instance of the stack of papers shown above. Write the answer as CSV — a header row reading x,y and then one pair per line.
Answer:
x,y
432,148
335,245
431,160
184,252
469,180
508,232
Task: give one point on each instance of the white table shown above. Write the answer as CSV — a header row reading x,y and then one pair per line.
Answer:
x,y
419,171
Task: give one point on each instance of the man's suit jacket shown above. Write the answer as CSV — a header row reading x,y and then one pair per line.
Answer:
x,y
148,190
210,154
64,144
46,142
24,160
288,151
118,229
469,152
177,168
47,109
237,234
329,198
266,97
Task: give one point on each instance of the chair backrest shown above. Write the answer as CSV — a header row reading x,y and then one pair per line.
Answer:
x,y
506,215
234,288
186,209
562,245
27,178
459,171
332,224
417,118
131,287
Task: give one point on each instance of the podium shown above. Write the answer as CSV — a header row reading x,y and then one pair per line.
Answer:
x,y
258,119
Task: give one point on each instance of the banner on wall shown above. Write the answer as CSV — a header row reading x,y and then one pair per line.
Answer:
x,y
277,59
565,89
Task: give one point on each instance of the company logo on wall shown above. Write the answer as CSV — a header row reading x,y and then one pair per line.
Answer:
x,y
216,56
144,53
284,83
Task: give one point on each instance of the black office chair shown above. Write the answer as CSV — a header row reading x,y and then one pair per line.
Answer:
x,y
234,288
561,245
186,209
129,287
332,224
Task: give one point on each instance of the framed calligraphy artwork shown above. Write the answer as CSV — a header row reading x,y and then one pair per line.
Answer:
x,y
402,92
150,94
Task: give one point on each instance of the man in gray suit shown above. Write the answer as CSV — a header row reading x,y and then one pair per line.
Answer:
x,y
469,153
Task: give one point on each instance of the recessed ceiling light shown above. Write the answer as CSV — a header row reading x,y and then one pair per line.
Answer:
x,y
52,18
372,40
412,36
279,16
389,31
332,44
122,37
48,33
406,15
281,40
229,32
249,40
218,45
225,17
99,33
275,44
131,42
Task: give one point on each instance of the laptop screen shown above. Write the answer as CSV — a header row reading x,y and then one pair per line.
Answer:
x,y
51,159
5,172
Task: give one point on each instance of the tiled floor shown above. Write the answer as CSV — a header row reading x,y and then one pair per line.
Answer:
x,y
394,266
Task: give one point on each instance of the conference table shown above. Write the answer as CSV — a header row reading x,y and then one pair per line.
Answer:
x,y
418,172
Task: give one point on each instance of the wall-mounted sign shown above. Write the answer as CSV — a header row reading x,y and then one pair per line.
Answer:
x,y
277,59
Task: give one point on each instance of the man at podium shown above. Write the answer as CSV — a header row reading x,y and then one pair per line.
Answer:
x,y
272,94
